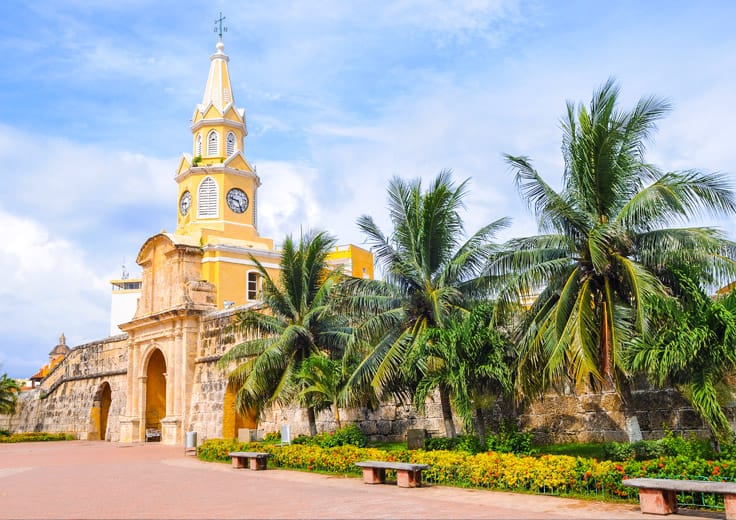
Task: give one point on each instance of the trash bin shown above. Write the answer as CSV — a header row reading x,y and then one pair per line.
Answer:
x,y
190,443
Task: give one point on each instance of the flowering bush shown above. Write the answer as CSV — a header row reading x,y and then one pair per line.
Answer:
x,y
549,474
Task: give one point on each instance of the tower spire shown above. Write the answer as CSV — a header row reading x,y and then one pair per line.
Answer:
x,y
218,91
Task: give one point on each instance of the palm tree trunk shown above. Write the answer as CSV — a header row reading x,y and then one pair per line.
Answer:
x,y
312,421
480,425
446,411
337,416
606,349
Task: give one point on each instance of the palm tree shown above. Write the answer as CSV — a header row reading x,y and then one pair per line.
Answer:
x,y
605,235
692,347
470,357
429,273
297,323
323,383
9,389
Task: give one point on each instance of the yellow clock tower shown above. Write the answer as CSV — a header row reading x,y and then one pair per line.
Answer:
x,y
217,186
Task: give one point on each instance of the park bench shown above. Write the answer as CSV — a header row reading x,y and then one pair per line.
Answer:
x,y
659,496
153,434
252,459
407,474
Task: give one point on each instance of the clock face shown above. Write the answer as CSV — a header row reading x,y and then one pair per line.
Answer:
x,y
185,203
237,200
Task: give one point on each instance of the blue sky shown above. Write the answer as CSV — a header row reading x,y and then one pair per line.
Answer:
x,y
339,97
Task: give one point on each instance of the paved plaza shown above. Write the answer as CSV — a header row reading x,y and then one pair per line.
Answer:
x,y
83,479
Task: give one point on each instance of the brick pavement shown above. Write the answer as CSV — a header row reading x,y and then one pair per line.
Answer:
x,y
83,479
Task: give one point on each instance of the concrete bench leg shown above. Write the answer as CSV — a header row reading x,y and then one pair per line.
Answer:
x,y
374,475
657,501
409,479
729,501
239,462
258,464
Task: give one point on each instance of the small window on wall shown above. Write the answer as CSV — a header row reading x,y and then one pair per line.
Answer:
x,y
198,147
254,286
230,144
207,198
212,144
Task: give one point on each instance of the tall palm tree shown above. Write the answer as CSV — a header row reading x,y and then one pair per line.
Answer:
x,y
429,272
692,347
604,236
297,323
470,356
8,395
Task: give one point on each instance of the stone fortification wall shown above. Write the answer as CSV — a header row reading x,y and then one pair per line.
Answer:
x,y
210,382
585,416
67,399
388,422
602,416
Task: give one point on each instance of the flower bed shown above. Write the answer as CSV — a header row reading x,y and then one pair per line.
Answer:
x,y
547,474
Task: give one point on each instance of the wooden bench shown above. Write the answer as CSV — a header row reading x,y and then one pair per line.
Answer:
x,y
252,459
659,496
407,474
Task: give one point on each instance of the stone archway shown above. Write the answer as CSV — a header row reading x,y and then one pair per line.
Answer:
x,y
100,412
232,421
155,391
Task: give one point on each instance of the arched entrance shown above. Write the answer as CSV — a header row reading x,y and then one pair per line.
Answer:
x,y
231,419
100,412
155,391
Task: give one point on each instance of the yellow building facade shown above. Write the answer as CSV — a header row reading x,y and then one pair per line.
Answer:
x,y
204,267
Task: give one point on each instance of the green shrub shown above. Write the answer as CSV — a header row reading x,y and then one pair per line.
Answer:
x,y
440,443
4,433
689,446
347,435
37,437
272,437
670,445
618,451
470,444
510,440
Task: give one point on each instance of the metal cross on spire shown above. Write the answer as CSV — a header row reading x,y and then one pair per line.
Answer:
x,y
219,29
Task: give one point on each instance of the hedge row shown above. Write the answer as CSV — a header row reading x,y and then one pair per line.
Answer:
x,y
551,474
35,437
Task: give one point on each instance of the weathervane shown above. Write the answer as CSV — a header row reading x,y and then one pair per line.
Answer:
x,y
219,29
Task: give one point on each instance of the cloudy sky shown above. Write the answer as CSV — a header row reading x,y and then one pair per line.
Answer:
x,y
339,97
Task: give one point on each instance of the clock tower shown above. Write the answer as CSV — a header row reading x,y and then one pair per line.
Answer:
x,y
217,188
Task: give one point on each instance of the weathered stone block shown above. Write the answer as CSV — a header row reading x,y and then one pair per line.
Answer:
x,y
415,439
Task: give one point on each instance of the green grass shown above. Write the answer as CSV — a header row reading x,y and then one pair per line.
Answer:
x,y
396,445
591,450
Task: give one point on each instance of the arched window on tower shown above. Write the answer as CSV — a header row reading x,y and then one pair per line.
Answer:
x,y
212,144
198,146
207,199
230,144
253,290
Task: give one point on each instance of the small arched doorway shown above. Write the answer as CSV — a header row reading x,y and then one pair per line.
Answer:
x,y
100,411
232,421
155,391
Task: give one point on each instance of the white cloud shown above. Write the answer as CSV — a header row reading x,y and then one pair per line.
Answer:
x,y
287,199
75,186
48,288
